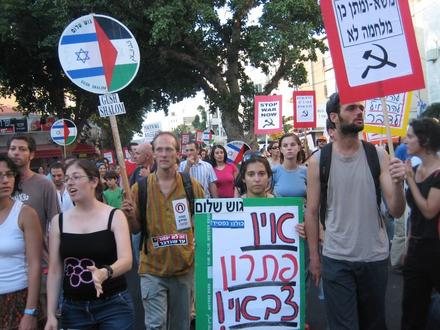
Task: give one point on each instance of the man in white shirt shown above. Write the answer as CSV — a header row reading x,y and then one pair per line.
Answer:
x,y
57,174
200,170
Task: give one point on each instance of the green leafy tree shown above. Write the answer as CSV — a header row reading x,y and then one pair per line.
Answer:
x,y
30,68
199,122
182,128
218,41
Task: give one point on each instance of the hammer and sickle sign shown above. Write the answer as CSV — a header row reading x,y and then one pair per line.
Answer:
x,y
382,60
268,122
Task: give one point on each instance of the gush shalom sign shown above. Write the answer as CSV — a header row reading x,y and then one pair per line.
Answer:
x,y
249,264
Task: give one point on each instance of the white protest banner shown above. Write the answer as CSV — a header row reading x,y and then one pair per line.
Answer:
x,y
304,109
151,130
373,48
249,264
398,106
268,114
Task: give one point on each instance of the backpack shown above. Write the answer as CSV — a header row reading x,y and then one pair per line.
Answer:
x,y
142,203
324,173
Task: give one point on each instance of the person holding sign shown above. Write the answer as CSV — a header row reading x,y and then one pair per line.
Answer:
x,y
347,178
421,273
166,264
255,176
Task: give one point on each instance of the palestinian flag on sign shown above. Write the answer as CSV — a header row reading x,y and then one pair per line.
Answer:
x,y
63,132
99,54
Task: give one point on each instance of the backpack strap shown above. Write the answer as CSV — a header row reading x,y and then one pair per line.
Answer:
x,y
374,165
142,209
324,173
325,160
110,218
187,185
60,222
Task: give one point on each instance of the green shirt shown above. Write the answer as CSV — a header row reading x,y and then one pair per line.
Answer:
x,y
114,197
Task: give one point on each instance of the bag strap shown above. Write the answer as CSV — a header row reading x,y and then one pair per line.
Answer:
x,y
189,192
374,165
142,209
325,160
324,174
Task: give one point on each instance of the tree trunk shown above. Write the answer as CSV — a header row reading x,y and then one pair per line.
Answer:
x,y
232,125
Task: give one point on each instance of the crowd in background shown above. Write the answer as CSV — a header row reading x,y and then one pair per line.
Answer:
x,y
83,242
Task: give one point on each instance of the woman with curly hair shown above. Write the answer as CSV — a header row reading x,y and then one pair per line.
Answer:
x,y
421,273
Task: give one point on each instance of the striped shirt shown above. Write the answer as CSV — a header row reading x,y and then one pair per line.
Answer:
x,y
170,251
202,172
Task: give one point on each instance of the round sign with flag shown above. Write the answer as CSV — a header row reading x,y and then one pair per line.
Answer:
x,y
63,132
99,54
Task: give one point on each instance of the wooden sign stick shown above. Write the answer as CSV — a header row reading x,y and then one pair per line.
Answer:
x,y
120,157
387,126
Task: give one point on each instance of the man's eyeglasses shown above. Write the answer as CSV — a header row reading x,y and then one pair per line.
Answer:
x,y
7,174
74,178
274,148
250,155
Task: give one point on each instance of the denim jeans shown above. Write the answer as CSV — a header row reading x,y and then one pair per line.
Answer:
x,y
355,294
112,313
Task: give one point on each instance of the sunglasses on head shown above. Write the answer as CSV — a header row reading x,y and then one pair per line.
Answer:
x,y
249,155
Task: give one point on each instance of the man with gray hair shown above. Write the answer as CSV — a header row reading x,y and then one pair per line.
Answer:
x,y
143,156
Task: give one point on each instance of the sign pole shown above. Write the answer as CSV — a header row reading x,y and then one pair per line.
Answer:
x,y
65,154
387,126
265,144
120,156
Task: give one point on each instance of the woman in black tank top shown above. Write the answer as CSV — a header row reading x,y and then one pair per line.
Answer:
x,y
89,251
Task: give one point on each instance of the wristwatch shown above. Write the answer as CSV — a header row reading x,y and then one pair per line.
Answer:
x,y
109,271
31,311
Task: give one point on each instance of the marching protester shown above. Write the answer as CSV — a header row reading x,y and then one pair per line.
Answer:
x,y
355,249
166,264
274,151
36,191
225,172
200,170
289,178
57,175
421,272
113,195
21,245
255,176
89,252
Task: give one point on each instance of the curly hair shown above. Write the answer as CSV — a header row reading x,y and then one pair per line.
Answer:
x,y
427,131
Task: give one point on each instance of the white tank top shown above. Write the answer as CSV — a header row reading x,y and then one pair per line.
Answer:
x,y
13,267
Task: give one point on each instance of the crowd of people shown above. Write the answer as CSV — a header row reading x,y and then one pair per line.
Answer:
x,y
68,240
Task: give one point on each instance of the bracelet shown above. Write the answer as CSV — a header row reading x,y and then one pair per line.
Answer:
x,y
31,311
109,271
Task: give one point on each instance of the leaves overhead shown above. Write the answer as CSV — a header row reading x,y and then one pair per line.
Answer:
x,y
186,45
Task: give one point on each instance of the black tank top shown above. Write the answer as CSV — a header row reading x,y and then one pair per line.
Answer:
x,y
93,249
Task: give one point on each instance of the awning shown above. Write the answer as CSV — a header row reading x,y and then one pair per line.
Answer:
x,y
55,151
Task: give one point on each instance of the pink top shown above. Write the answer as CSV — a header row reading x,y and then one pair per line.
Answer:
x,y
225,180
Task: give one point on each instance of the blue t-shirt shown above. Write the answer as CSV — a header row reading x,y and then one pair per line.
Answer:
x,y
289,183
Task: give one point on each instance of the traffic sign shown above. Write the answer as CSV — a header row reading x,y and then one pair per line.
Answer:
x,y
63,132
99,54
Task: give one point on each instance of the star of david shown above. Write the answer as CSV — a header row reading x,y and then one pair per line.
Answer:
x,y
82,55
